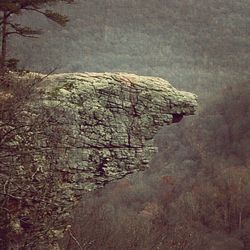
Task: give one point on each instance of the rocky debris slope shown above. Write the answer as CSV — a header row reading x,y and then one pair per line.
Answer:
x,y
77,133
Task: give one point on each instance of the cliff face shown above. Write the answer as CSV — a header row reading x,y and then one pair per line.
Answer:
x,y
112,119
78,132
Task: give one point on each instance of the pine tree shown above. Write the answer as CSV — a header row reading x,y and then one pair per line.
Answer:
x,y
8,27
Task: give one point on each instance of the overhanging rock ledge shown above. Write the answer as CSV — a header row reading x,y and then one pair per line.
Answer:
x,y
113,119
77,133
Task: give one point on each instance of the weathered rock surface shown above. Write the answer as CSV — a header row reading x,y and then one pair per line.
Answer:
x,y
112,119
83,131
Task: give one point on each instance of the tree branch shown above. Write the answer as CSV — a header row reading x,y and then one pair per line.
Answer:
x,y
75,239
20,34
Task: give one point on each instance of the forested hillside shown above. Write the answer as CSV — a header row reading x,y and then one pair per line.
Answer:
x,y
194,43
196,194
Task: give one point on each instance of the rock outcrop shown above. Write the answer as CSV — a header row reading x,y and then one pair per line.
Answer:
x,y
77,133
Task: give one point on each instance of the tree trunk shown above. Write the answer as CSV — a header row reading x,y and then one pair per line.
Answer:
x,y
240,220
4,42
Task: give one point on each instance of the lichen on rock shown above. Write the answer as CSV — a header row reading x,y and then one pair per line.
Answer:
x,y
96,128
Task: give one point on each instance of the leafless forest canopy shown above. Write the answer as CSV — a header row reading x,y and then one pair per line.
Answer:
x,y
196,194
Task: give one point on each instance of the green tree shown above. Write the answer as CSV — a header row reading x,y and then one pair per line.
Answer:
x,y
8,25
